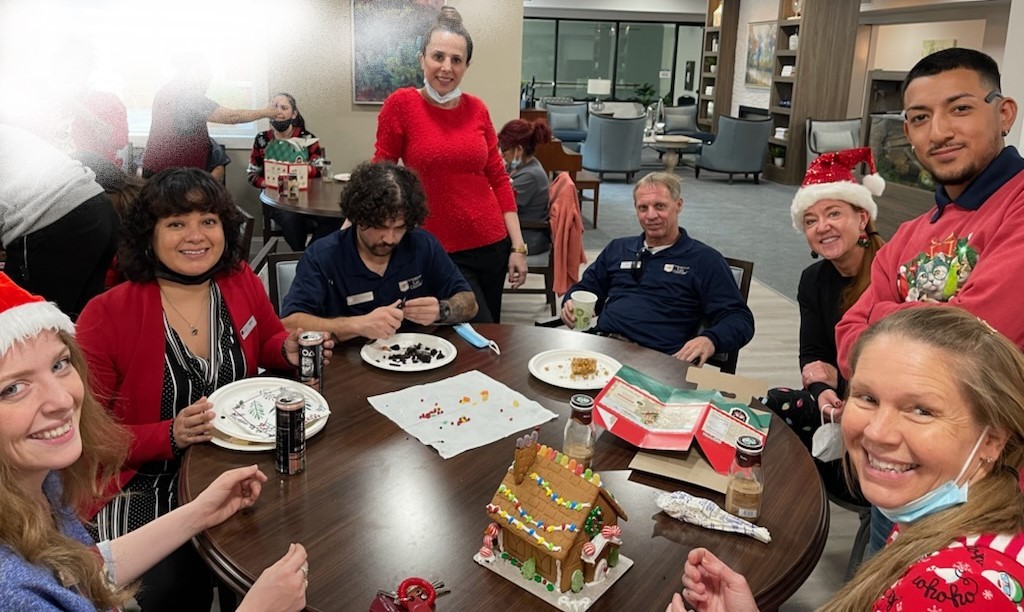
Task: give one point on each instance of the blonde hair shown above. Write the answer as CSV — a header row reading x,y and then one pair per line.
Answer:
x,y
670,181
990,374
33,533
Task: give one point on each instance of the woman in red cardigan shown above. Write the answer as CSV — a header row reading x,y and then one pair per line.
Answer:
x,y
447,137
193,317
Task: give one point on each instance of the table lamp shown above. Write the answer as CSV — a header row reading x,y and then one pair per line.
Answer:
x,y
599,87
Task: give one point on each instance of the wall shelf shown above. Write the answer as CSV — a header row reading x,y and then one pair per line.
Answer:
x,y
719,49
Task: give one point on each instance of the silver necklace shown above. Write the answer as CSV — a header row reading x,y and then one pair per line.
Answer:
x,y
193,328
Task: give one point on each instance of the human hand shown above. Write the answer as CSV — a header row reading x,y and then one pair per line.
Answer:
x,y
568,316
697,351
422,310
712,586
820,372
517,269
382,322
232,491
282,586
291,347
827,400
194,424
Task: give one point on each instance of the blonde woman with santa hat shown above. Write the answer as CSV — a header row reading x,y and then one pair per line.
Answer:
x,y
836,214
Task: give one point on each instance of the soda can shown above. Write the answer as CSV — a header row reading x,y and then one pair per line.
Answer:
x,y
290,450
282,185
293,186
311,357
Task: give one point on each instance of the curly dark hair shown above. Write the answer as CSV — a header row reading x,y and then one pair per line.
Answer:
x,y
382,192
175,191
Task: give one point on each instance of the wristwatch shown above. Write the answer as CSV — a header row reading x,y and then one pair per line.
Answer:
x,y
444,310
521,249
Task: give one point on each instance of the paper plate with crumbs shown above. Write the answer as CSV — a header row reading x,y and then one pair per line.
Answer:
x,y
574,369
409,353
246,413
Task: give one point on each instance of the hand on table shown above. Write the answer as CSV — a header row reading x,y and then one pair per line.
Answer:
x,y
712,586
517,269
382,322
820,372
696,351
282,586
568,316
422,310
194,424
827,400
232,491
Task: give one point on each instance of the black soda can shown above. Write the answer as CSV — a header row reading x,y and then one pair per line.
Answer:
x,y
290,452
282,185
311,357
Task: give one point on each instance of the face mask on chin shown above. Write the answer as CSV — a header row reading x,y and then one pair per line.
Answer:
x,y
441,99
281,126
944,496
513,165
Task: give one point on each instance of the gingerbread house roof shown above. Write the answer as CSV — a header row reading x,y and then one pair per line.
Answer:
x,y
549,507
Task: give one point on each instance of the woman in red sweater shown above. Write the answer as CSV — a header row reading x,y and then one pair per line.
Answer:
x,y
447,137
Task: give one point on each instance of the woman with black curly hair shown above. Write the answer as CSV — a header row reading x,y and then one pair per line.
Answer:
x,y
191,318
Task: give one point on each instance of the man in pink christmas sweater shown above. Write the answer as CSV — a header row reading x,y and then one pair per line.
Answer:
x,y
969,250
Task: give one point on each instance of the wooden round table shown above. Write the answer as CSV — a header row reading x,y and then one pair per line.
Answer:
x,y
375,506
321,199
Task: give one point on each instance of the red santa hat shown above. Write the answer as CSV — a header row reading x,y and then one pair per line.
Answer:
x,y
23,315
830,177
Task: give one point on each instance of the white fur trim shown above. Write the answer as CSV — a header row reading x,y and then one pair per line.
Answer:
x,y
875,184
22,322
847,191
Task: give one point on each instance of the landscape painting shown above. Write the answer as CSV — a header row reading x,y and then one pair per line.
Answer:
x,y
760,53
386,39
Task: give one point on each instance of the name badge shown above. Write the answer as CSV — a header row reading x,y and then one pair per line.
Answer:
x,y
676,269
630,265
359,298
248,327
413,283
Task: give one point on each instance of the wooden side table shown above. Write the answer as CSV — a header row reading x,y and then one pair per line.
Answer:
x,y
588,180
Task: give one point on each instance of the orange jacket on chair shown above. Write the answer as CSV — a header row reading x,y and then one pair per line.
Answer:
x,y
566,232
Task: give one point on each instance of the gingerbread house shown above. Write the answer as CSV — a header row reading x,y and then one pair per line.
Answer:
x,y
553,517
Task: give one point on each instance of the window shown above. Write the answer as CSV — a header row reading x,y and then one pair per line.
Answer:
x,y
586,50
539,55
645,53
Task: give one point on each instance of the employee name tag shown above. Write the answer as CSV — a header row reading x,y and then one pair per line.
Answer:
x,y
676,269
630,265
359,298
248,327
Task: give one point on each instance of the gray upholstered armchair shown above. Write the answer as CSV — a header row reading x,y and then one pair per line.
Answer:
x,y
568,122
613,145
739,148
827,136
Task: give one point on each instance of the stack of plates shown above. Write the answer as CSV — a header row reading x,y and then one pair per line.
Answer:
x,y
246,412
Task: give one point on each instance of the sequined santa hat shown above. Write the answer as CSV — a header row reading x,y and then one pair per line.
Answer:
x,y
830,177
23,315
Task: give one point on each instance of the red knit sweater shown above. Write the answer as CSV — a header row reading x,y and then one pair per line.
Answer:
x,y
455,153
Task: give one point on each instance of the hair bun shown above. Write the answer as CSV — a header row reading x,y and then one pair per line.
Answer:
x,y
449,16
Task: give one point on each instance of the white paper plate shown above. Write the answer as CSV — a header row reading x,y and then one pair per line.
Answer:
x,y
258,395
382,353
219,439
344,176
555,367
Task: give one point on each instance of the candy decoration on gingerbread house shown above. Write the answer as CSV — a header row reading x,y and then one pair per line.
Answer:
x,y
553,517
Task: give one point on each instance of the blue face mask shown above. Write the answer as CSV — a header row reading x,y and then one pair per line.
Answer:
x,y
513,165
945,496
441,99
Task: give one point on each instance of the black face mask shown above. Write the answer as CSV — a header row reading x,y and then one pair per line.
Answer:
x,y
162,271
281,126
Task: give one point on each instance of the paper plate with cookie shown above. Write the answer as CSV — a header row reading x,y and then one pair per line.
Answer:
x,y
574,368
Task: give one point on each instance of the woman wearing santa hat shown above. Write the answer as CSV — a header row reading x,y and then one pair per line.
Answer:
x,y
836,214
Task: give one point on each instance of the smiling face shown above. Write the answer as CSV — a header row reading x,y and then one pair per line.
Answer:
x,y
907,425
41,396
189,244
658,214
832,228
954,130
444,62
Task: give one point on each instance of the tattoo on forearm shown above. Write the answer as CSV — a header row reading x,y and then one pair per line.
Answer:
x,y
461,307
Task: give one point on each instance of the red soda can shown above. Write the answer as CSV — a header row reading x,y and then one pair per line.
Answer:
x,y
290,450
311,357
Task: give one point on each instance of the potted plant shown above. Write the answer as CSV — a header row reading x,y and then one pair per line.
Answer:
x,y
646,94
778,154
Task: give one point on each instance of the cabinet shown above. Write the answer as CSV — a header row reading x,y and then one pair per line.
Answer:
x,y
810,79
718,63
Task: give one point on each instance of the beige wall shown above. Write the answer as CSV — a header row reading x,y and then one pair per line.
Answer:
x,y
314,63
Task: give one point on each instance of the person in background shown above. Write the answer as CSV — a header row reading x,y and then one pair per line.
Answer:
x,y
288,123
448,138
178,136
57,225
217,161
191,318
836,215
55,439
517,141
934,428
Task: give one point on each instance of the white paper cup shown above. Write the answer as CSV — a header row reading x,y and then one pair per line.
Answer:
x,y
583,304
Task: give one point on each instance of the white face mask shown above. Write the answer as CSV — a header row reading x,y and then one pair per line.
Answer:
x,y
827,443
441,99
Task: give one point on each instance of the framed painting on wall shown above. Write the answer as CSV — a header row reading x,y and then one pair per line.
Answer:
x,y
386,39
760,53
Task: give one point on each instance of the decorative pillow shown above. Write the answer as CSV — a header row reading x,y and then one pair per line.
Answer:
x,y
680,123
825,142
564,121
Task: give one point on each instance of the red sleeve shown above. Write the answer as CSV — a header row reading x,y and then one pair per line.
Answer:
x,y
390,131
495,170
314,153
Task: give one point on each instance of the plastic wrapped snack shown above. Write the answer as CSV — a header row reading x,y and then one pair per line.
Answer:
x,y
706,513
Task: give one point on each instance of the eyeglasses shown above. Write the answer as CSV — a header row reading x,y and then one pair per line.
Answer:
x,y
637,268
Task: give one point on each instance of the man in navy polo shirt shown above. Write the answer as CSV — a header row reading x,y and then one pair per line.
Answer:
x,y
382,273
657,288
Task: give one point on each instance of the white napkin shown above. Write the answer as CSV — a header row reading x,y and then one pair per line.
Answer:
x,y
257,413
461,413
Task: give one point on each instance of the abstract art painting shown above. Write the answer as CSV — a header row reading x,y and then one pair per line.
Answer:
x,y
760,53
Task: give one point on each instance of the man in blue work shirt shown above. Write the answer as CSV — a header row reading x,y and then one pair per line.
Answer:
x,y
382,273
657,288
